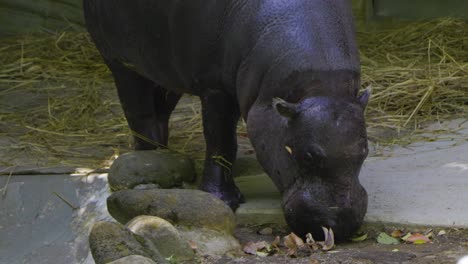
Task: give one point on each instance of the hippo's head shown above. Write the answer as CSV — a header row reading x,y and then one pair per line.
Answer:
x,y
314,156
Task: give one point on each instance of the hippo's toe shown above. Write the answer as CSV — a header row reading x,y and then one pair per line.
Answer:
x,y
229,195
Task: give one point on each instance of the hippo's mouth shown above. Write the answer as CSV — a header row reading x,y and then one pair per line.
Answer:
x,y
309,209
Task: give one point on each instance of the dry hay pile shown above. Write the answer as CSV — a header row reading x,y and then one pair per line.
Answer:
x,y
418,72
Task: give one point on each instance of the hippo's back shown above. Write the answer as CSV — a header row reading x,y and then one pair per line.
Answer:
x,y
167,41
193,44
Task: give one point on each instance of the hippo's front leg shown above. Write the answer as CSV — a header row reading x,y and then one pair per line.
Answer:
x,y
220,115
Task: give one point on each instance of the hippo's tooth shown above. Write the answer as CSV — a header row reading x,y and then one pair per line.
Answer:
x,y
288,149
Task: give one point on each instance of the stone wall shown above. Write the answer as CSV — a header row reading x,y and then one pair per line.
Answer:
x,y
22,16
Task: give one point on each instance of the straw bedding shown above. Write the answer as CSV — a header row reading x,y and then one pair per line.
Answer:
x,y
418,73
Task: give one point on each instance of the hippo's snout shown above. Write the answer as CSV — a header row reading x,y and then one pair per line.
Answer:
x,y
308,209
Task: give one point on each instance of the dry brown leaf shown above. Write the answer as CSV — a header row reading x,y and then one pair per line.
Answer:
x,y
417,239
292,242
193,245
397,233
310,239
253,247
314,261
276,242
311,243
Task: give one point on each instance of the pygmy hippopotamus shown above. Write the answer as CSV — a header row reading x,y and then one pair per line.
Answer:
x,y
291,69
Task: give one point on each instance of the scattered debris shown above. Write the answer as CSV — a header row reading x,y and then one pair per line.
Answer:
x,y
397,233
261,249
65,201
293,243
411,238
193,245
360,237
416,238
276,242
441,233
266,231
5,188
295,246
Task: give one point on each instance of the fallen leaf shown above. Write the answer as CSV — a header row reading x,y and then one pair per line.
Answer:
x,y
310,239
310,242
442,233
428,231
359,238
276,242
395,250
193,245
397,233
262,254
293,242
253,247
385,239
291,252
406,236
314,261
418,239
429,235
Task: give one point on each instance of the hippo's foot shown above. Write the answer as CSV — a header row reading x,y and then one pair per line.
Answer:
x,y
229,193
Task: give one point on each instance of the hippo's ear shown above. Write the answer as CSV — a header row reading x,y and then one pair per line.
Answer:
x,y
364,97
284,108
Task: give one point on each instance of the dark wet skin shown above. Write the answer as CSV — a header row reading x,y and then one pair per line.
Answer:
x,y
238,56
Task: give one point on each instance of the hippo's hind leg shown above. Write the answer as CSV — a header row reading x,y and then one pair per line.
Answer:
x,y
220,115
147,107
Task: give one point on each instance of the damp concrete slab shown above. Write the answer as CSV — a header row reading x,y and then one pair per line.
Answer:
x,y
47,218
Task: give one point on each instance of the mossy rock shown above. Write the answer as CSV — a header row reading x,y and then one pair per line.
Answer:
x,y
211,242
190,208
163,235
162,167
133,259
112,241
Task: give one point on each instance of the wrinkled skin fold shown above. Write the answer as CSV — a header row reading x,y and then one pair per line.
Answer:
x,y
290,69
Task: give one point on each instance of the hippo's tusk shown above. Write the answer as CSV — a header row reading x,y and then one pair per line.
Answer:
x,y
288,149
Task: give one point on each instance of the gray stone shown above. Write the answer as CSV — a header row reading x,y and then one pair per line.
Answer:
x,y
112,241
192,208
210,242
163,167
133,259
163,235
